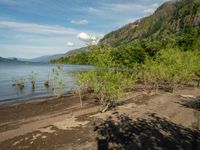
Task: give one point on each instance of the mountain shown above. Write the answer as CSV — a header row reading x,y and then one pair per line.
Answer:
x,y
45,58
48,58
23,59
10,60
169,19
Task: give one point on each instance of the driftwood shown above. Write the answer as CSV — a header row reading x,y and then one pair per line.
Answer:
x,y
188,96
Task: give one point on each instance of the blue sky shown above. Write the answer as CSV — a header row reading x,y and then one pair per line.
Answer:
x,y
32,28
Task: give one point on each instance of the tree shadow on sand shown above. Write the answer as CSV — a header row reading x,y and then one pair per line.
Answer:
x,y
193,103
140,134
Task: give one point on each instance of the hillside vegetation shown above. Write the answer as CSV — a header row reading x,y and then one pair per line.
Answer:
x,y
169,19
159,51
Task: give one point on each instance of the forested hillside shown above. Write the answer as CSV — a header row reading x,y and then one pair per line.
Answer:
x,y
159,51
170,19
174,24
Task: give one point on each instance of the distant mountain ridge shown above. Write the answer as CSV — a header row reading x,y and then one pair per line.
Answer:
x,y
10,60
45,58
48,58
169,18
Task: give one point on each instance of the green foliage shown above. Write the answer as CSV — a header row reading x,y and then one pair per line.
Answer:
x,y
106,81
108,85
19,84
20,81
151,47
170,68
128,55
197,64
32,79
75,58
169,19
100,56
154,27
57,80
162,50
186,7
188,39
32,76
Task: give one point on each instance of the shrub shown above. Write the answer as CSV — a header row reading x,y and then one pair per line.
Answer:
x,y
128,55
57,80
32,79
108,85
197,66
170,68
19,84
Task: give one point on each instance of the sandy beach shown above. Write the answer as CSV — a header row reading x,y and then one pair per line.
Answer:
x,y
159,121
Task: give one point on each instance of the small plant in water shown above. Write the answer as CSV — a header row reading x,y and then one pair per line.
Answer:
x,y
19,84
57,80
32,79
46,83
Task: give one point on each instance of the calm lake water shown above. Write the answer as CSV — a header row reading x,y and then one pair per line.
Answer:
x,y
11,72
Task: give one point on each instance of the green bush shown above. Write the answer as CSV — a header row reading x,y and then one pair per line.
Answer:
x,y
128,55
108,85
57,80
170,68
32,79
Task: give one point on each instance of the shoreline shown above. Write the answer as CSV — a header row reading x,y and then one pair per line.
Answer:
x,y
44,105
11,74
61,123
21,101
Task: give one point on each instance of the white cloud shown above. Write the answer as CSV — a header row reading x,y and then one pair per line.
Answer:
x,y
33,40
81,22
37,28
85,37
121,7
70,44
155,5
130,7
88,9
119,12
111,8
89,39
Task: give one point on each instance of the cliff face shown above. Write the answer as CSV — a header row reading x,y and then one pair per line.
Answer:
x,y
169,18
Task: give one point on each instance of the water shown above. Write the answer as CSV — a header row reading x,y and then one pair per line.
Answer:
x,y
11,72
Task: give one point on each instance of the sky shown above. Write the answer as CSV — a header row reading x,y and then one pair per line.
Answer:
x,y
33,28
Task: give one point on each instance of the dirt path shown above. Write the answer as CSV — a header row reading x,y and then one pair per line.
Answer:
x,y
163,121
